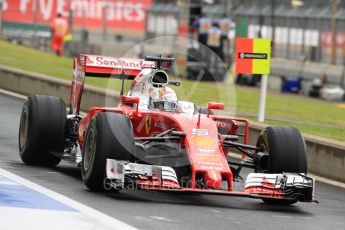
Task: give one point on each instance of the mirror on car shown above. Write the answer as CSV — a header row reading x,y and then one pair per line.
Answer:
x,y
214,106
129,99
175,83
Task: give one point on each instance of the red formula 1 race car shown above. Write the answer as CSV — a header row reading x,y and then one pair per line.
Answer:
x,y
153,141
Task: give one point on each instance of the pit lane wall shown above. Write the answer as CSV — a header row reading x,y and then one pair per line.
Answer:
x,y
325,157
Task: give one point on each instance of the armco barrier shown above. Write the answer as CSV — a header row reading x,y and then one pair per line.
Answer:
x,y
325,157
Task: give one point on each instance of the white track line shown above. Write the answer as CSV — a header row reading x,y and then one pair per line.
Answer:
x,y
237,156
105,219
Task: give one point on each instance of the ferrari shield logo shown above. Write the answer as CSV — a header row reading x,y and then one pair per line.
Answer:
x,y
147,123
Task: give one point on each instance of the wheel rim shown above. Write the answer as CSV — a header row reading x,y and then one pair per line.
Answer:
x,y
88,150
23,131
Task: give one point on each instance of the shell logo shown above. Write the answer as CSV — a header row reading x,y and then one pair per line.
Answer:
x,y
203,141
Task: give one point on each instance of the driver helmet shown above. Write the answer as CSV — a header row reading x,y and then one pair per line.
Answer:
x,y
163,99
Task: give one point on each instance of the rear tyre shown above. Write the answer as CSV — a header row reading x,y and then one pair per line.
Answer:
x,y
287,153
109,135
42,130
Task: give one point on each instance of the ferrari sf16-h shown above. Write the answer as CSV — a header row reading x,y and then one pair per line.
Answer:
x,y
153,141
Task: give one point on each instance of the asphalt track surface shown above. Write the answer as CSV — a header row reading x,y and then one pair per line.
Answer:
x,y
154,210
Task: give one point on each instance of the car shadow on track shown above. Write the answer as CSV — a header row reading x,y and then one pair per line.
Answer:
x,y
65,169
69,171
199,200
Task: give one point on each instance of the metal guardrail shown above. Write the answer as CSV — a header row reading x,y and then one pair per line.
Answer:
x,y
40,39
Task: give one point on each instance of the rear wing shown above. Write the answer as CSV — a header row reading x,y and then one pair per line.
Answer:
x,y
105,67
102,66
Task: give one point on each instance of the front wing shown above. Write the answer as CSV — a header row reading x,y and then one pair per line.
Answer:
x,y
285,186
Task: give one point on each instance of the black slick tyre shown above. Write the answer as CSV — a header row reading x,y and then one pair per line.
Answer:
x,y
109,135
42,130
287,153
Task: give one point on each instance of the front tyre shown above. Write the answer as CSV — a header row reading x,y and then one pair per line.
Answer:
x,y
42,130
109,135
286,153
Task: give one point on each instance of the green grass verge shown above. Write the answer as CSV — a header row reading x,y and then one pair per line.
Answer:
x,y
315,116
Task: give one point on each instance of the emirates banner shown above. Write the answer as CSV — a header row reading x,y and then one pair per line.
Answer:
x,y
129,14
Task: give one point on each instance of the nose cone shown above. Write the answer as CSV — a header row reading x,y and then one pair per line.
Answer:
x,y
213,179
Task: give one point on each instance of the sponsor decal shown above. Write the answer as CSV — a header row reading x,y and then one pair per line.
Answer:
x,y
210,163
211,167
203,141
111,62
210,159
91,13
200,132
147,123
223,124
205,154
205,151
253,55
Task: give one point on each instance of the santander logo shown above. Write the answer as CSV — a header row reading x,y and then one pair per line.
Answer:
x,y
126,63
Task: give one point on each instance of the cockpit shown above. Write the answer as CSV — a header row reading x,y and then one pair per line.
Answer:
x,y
150,86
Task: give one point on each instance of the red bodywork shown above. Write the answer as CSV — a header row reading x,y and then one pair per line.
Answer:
x,y
205,150
205,153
